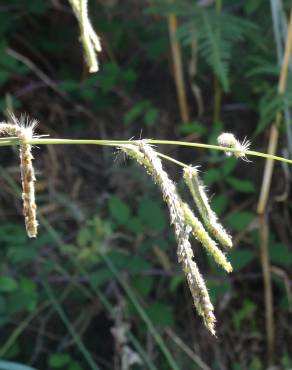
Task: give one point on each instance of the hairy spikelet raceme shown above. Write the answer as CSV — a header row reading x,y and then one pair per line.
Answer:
x,y
203,237
24,131
89,38
147,157
192,180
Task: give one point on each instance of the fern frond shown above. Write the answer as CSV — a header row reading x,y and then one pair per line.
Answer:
x,y
262,68
215,50
270,104
217,34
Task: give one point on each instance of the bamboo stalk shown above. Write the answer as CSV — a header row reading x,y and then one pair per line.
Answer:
x,y
262,203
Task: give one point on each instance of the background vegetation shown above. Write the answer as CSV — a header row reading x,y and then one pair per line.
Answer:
x,y
100,288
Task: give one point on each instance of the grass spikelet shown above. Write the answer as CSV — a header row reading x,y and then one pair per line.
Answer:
x,y
147,157
192,180
228,140
89,38
203,237
23,129
200,295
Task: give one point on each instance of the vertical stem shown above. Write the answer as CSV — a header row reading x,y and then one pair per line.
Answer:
x,y
268,289
178,68
262,203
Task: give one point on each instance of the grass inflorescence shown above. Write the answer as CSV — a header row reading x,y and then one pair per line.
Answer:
x,y
24,129
182,217
184,223
89,38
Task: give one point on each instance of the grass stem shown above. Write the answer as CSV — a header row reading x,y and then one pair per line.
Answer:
x,y
115,143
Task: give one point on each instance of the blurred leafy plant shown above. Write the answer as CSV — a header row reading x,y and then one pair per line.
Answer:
x,y
216,33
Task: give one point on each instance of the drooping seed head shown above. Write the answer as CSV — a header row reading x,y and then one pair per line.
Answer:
x,y
148,158
23,129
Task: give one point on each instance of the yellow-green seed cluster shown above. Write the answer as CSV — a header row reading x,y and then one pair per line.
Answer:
x,y
204,238
192,180
185,222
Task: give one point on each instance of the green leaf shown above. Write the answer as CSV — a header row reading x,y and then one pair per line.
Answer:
x,y
150,116
21,254
286,360
108,77
4,76
236,366
7,284
219,204
12,234
285,304
70,86
24,298
216,130
129,263
6,23
240,258
193,128
101,276
160,314
119,210
135,112
3,307
88,93
152,215
143,284
37,7
175,281
211,176
59,360
245,186
239,221
135,225
256,364
84,236
246,312
229,165
218,289
269,105
75,366
95,230
129,77
251,6
280,254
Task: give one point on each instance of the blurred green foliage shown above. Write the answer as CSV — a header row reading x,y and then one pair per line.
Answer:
x,y
123,223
